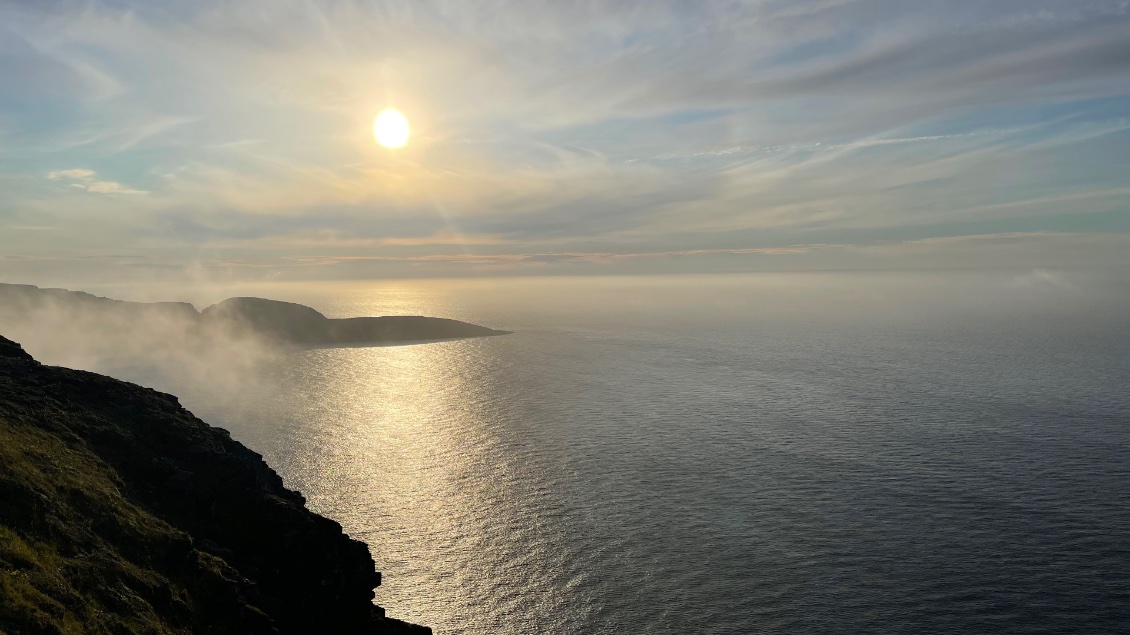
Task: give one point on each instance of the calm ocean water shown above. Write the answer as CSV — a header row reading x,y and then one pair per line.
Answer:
x,y
793,453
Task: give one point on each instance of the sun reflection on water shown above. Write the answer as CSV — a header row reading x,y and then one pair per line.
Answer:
x,y
402,446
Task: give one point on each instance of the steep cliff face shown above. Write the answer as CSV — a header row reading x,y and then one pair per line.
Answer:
x,y
121,512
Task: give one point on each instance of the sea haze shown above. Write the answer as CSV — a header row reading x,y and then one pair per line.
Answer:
x,y
785,453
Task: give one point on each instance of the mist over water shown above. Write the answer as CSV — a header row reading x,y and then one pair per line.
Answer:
x,y
158,345
820,453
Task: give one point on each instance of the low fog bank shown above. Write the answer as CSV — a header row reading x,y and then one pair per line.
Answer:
x,y
212,355
159,345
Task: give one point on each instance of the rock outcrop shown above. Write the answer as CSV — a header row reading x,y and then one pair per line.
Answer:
x,y
121,512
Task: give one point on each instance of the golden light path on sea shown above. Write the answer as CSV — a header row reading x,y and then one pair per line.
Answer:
x,y
410,450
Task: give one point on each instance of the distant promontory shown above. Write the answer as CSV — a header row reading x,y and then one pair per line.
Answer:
x,y
268,320
299,324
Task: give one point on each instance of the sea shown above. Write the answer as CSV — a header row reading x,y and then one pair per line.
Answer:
x,y
853,452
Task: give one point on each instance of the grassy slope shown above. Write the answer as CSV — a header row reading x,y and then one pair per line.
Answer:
x,y
76,556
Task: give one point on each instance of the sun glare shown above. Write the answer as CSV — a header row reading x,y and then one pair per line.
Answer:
x,y
391,129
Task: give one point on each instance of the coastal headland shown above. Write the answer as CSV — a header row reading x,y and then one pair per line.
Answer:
x,y
121,512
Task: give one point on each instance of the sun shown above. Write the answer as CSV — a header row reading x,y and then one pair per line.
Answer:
x,y
391,129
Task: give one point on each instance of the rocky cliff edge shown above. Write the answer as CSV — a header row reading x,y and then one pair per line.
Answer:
x,y
121,512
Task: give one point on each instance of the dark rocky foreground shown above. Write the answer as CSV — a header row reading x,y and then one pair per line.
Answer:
x,y
121,512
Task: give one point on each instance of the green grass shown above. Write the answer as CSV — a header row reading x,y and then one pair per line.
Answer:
x,y
73,578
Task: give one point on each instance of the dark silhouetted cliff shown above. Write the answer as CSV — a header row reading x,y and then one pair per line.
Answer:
x,y
295,323
121,512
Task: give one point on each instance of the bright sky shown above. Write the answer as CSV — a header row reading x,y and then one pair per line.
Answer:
x,y
150,140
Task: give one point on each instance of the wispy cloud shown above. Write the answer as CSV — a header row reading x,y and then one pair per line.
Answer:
x,y
87,180
607,257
